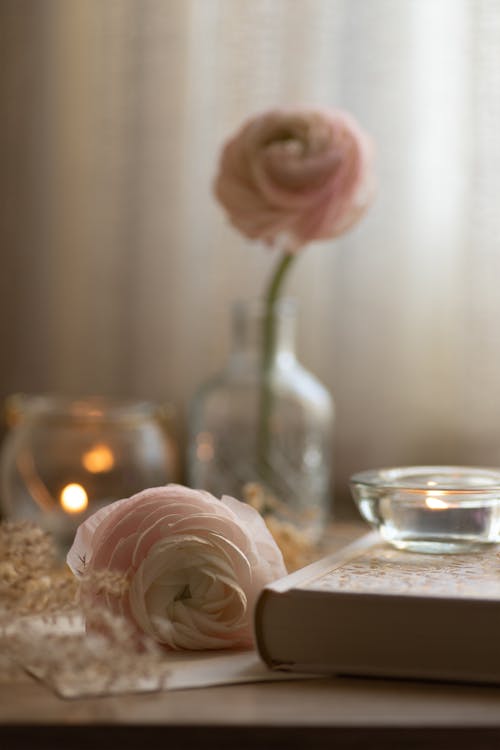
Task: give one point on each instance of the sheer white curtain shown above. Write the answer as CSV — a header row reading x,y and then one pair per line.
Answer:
x,y
118,266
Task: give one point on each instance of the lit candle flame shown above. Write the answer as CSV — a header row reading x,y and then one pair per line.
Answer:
x,y
435,503
98,459
74,499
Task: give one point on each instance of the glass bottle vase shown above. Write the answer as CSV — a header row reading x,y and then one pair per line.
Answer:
x,y
261,430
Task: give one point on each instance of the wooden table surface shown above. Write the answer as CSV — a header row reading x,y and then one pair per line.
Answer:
x,y
319,713
315,714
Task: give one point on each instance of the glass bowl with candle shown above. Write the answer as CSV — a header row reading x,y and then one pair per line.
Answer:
x,y
62,459
435,509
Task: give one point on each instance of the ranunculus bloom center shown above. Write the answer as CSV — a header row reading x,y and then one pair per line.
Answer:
x,y
185,586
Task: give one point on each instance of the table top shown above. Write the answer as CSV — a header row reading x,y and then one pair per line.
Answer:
x,y
326,712
314,713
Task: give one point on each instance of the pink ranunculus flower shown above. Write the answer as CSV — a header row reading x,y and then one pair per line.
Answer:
x,y
195,564
288,177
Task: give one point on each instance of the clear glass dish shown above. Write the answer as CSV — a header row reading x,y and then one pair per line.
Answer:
x,y
436,509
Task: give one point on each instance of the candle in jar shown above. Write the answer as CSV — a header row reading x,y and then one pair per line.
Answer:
x,y
431,509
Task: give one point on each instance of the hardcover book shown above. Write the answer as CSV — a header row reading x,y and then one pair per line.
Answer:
x,y
373,610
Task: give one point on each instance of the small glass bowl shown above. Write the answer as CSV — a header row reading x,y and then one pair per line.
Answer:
x,y
63,458
436,509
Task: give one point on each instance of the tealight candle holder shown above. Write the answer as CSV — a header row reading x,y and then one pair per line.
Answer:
x,y
436,509
63,459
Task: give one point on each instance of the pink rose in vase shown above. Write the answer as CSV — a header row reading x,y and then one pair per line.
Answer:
x,y
288,177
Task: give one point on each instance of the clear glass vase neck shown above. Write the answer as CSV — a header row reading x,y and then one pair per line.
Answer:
x,y
249,323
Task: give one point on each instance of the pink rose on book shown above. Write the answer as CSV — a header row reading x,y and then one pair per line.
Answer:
x,y
288,177
195,564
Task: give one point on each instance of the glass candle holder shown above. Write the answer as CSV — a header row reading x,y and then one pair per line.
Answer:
x,y
63,459
436,509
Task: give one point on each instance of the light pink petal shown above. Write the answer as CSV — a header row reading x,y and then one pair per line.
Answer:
x,y
195,524
258,532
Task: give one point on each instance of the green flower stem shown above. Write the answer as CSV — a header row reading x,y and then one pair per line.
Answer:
x,y
267,361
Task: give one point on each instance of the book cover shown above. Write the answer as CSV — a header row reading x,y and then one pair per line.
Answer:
x,y
372,610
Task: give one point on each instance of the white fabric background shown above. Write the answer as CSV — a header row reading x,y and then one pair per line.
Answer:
x,y
117,266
